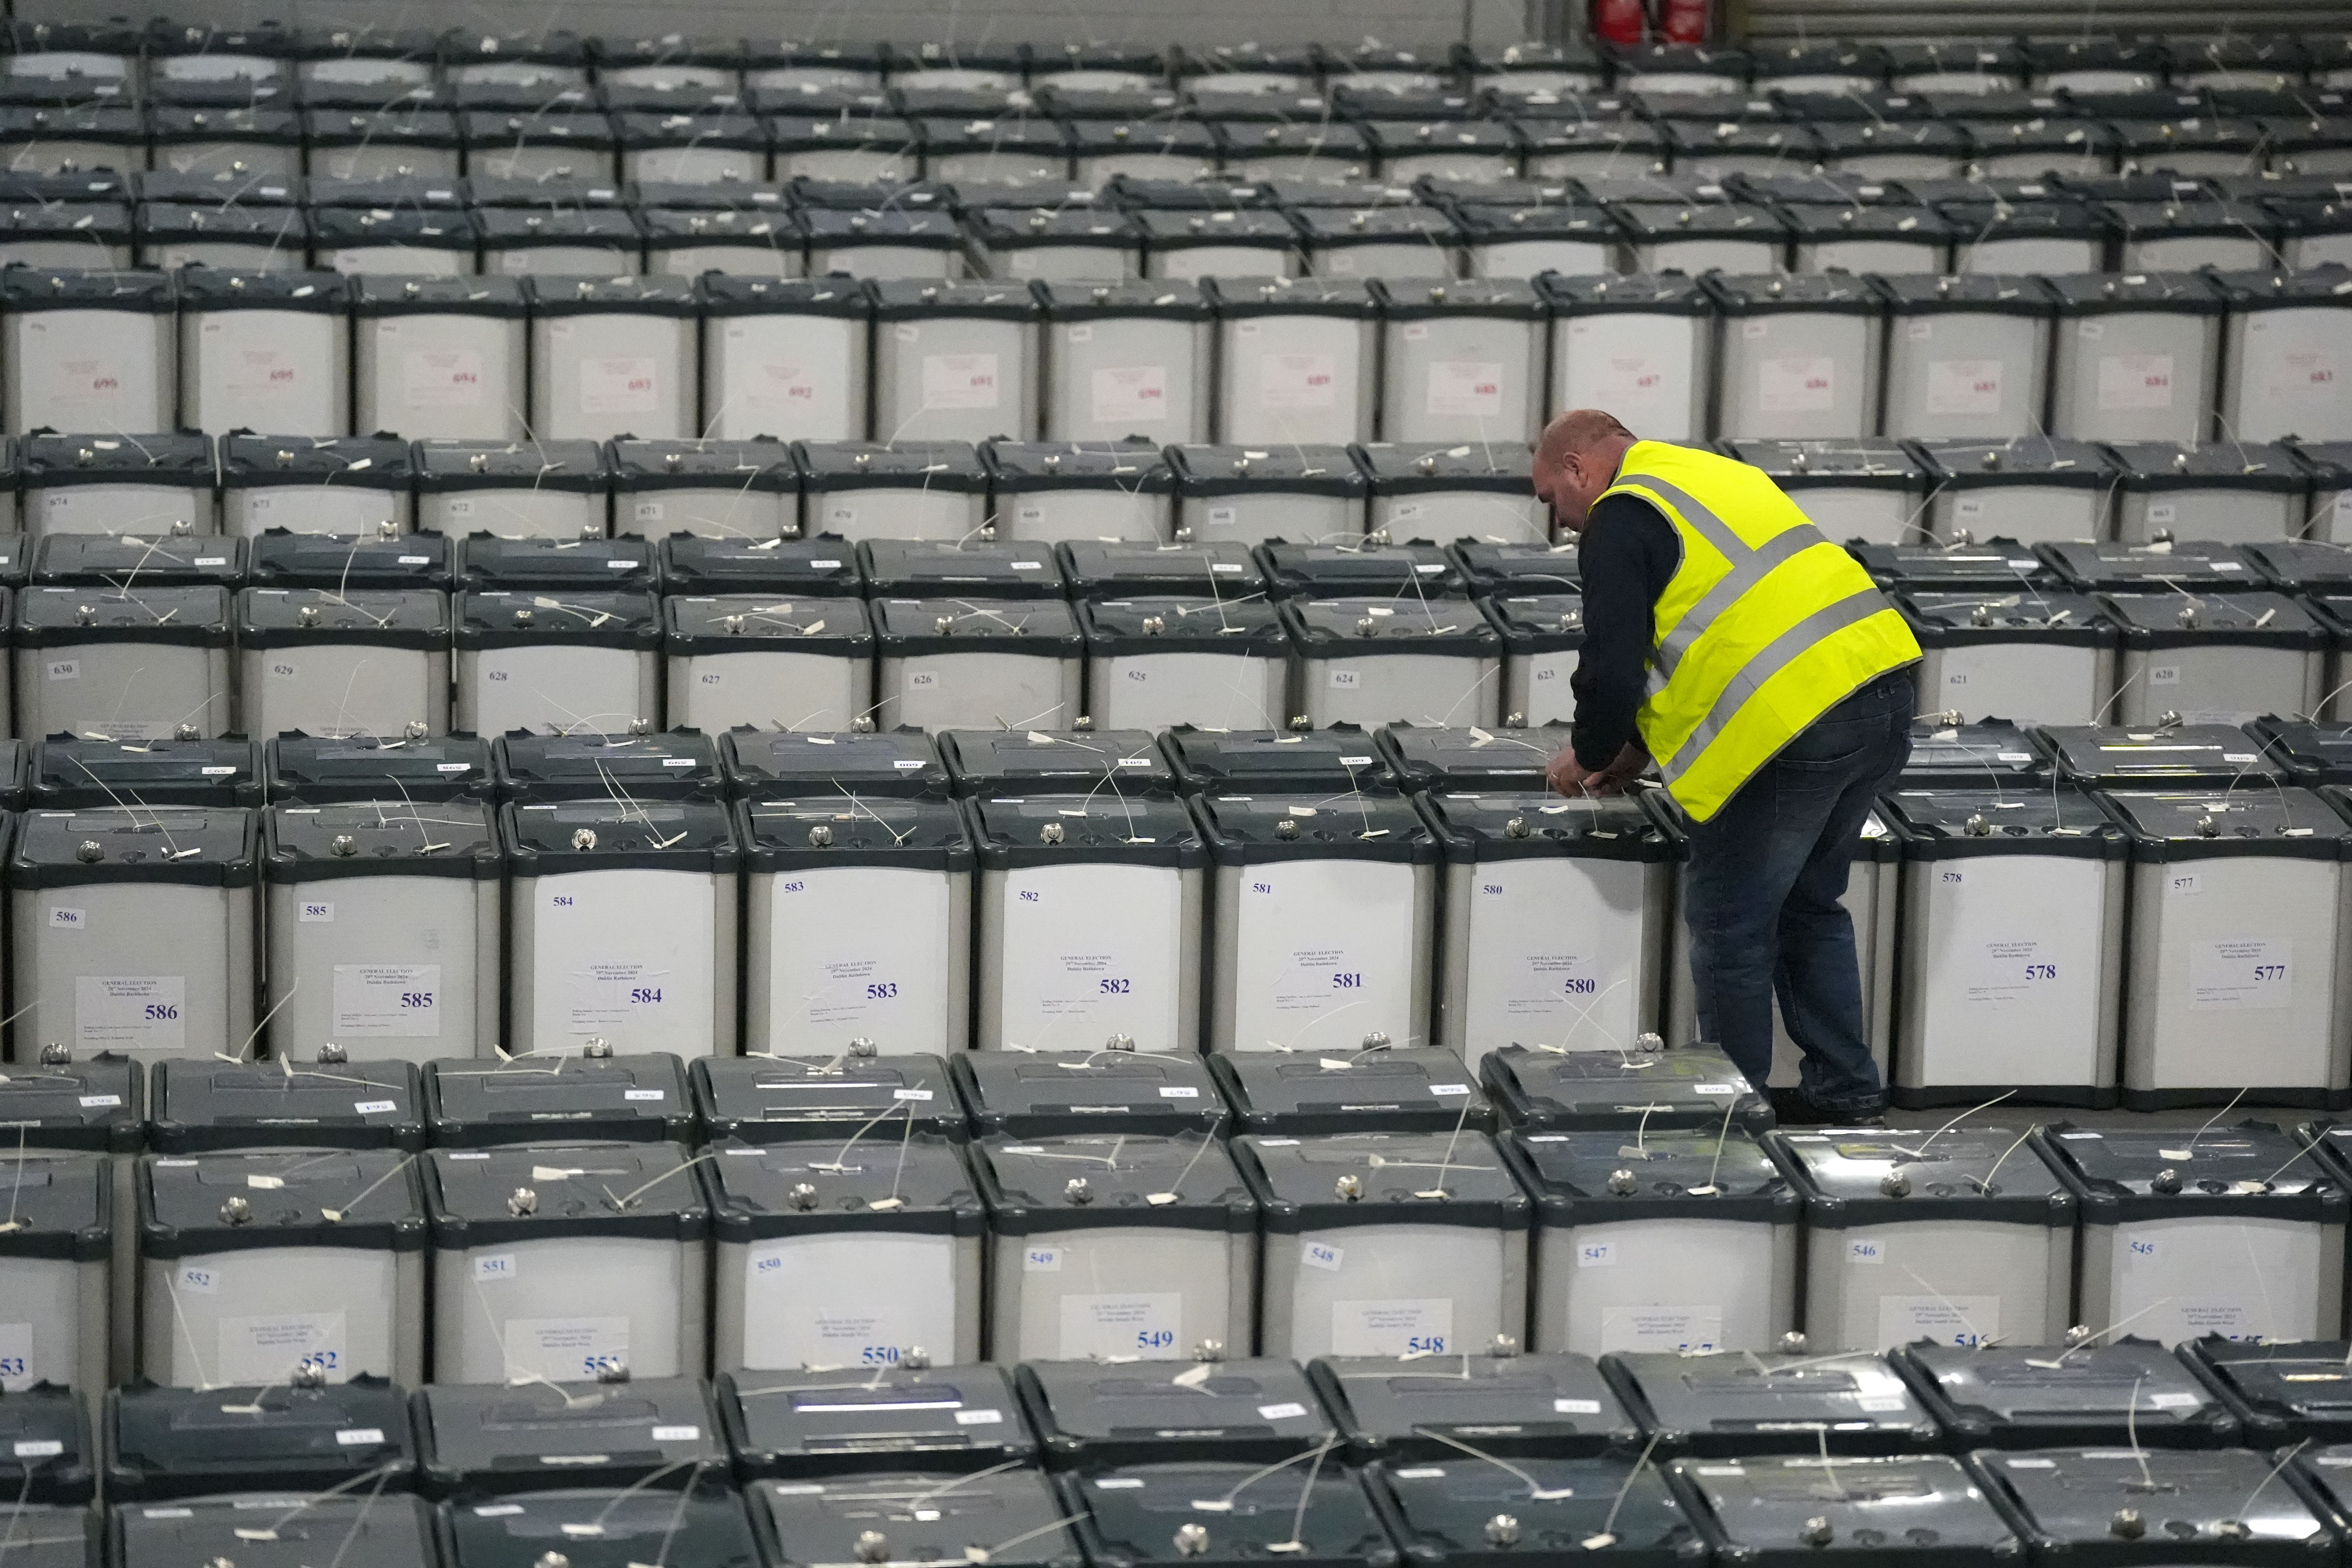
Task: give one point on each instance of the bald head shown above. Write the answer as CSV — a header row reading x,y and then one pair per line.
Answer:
x,y
1576,459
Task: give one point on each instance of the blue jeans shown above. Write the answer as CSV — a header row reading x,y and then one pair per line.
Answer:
x,y
1766,876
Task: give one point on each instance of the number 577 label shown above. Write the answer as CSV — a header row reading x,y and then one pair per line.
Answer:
x,y
2241,974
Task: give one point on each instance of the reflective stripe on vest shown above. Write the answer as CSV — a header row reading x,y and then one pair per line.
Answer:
x,y
1763,628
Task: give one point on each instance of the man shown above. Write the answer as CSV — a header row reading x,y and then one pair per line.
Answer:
x,y
1729,640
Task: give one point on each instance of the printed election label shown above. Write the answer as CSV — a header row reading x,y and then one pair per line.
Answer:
x,y
258,372
561,1348
1576,1407
619,384
1596,1255
1321,1254
269,1347
1041,1260
62,919
1392,1327
2134,380
1964,386
19,1368
1297,381
1148,1323
785,385
495,1265
1948,1320
62,668
388,1000
2241,974
979,1418
1467,388
1635,378
2010,973
1661,1327
131,1012
1796,384
796,1312
959,380
1129,395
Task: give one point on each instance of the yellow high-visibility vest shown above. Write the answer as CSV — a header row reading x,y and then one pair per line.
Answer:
x,y
1766,624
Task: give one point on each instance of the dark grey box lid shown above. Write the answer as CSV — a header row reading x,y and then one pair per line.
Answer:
x,y
768,1097
446,838
1037,1094
928,568
698,563
1131,1515
805,763
69,773
389,1530
317,768
671,764
2112,754
474,1104
1502,1402
164,1443
530,1437
1090,1412
2202,1506
1009,762
702,1525
472,1196
1403,1089
89,1101
1774,1509
1013,1516
1439,1509
200,1105
283,558
1726,1403
802,1423
1431,757
1183,1182
246,1200
2007,1396
64,1199
909,1183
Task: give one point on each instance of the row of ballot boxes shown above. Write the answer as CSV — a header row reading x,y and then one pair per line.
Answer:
x,y
2182,354
1090,1205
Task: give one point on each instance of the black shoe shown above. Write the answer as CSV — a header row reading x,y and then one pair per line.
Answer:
x,y
1845,1112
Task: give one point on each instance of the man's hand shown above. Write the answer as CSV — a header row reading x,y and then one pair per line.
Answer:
x,y
1622,770
1566,774
1568,777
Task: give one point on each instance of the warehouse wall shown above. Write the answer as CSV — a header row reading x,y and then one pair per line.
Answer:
x,y
1198,21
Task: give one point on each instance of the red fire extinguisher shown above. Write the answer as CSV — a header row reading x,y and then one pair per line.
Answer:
x,y
1617,21
1684,21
